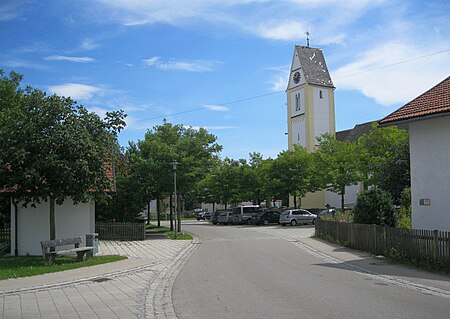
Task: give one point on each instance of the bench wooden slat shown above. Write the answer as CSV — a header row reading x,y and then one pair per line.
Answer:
x,y
49,254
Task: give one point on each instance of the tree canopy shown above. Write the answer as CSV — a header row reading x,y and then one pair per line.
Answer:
x,y
51,148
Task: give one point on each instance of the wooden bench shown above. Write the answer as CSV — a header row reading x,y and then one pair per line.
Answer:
x,y
49,253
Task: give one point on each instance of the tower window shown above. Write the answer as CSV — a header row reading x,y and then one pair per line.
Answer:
x,y
320,94
298,136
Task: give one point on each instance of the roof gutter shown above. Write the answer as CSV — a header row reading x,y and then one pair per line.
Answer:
x,y
415,119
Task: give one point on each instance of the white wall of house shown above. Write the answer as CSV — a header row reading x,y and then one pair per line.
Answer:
x,y
351,193
33,224
430,173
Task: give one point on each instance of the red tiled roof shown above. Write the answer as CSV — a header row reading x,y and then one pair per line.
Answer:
x,y
434,101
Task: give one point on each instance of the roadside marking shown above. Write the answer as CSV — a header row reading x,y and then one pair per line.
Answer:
x,y
429,290
157,302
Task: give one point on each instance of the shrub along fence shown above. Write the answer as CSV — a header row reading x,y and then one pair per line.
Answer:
x,y
417,246
120,230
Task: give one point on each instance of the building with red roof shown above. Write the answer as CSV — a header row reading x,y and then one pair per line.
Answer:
x,y
428,121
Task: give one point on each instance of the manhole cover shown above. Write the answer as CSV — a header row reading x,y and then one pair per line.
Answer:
x,y
101,279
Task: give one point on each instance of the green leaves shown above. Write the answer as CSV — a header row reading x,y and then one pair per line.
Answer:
x,y
52,147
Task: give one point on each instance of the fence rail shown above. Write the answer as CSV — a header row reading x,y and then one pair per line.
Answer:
x,y
120,231
414,244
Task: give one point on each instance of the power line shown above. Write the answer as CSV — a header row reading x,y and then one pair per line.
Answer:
x,y
203,107
393,64
276,92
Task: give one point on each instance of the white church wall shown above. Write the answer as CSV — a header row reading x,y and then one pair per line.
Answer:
x,y
430,173
351,193
298,131
321,100
298,102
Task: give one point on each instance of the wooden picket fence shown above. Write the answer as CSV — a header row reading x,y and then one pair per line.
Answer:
x,y
5,239
120,230
413,244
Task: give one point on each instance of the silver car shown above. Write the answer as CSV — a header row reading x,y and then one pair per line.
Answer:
x,y
297,216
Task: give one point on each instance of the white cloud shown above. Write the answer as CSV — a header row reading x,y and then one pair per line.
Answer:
x,y
151,61
88,44
290,30
217,108
69,58
190,66
378,75
75,91
21,63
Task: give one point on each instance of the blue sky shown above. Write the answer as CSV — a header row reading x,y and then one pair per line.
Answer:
x,y
224,65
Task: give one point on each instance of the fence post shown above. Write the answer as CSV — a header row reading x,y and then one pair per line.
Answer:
x,y
434,246
374,229
384,239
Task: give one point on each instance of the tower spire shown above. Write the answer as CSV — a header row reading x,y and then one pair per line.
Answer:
x,y
307,38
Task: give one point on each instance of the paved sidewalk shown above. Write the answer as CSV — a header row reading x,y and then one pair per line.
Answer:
x,y
115,290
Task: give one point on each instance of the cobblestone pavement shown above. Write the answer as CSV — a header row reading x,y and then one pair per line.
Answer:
x,y
127,289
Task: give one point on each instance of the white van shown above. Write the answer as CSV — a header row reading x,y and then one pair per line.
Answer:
x,y
243,214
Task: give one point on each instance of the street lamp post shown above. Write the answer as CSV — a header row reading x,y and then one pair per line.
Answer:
x,y
174,166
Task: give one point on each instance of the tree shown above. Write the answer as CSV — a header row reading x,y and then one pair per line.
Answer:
x,y
337,165
291,173
194,150
374,206
51,148
384,159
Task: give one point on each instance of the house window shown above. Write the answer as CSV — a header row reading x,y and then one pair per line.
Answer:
x,y
320,94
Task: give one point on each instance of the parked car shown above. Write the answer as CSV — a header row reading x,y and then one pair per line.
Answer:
x,y
203,216
326,214
297,216
243,214
215,217
226,217
265,218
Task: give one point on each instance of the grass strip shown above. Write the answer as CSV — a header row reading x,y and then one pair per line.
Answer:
x,y
166,230
24,266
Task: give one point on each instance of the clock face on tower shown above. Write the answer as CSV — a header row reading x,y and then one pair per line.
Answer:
x,y
296,77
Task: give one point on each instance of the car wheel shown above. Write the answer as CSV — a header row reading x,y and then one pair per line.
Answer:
x,y
283,224
214,223
293,222
266,222
249,221
314,221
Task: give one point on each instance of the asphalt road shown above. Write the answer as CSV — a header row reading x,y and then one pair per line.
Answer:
x,y
254,272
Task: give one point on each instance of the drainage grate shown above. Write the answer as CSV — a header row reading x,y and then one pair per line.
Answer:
x,y
101,279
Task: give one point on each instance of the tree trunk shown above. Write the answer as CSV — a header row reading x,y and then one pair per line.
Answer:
x,y
213,206
148,213
342,199
295,202
158,210
52,219
171,212
178,212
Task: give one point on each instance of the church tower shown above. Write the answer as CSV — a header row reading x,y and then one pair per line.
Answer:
x,y
310,106
310,98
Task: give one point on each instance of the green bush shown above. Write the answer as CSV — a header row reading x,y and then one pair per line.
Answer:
x,y
404,216
374,206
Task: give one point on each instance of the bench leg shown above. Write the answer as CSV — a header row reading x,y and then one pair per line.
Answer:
x,y
80,255
49,259
90,254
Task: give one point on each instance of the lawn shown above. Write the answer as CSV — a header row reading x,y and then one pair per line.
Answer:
x,y
24,266
166,230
